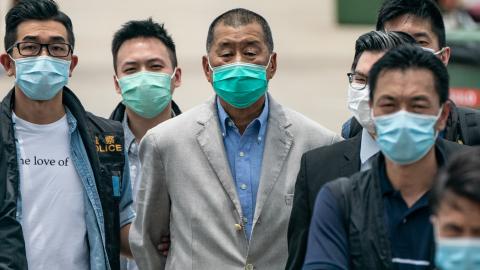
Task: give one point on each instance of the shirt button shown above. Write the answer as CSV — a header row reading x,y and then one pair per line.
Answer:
x,y
243,186
245,220
242,154
249,267
404,220
238,227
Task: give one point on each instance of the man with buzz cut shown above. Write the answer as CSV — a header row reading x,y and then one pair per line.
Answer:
x,y
65,196
220,178
146,75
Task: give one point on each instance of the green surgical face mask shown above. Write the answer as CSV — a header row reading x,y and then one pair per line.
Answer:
x,y
240,84
146,93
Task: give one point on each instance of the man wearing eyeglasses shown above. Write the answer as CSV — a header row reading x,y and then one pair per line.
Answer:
x,y
343,158
65,195
423,20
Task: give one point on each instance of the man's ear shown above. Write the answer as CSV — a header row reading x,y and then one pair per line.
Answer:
x,y
206,69
177,79
8,64
272,67
442,120
73,64
445,56
117,86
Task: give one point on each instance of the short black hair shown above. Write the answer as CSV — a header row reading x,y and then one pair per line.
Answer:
x,y
425,9
461,176
143,29
379,41
26,10
406,57
240,17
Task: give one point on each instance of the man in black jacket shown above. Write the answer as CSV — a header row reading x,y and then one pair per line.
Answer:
x,y
146,75
344,158
423,20
65,197
380,218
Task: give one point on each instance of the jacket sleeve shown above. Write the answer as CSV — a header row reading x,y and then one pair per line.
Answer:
x,y
12,247
299,221
153,208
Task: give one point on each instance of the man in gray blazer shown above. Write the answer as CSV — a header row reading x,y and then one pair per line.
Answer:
x,y
220,178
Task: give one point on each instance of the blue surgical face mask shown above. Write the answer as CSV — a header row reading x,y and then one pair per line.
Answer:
x,y
146,93
405,137
41,77
240,84
457,253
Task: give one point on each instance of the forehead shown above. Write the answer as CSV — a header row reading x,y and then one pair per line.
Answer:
x,y
411,24
237,34
454,206
41,30
366,60
142,48
406,84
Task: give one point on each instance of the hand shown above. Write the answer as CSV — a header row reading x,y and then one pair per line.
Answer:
x,y
164,245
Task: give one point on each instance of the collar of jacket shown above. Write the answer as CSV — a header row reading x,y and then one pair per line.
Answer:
x,y
276,114
119,111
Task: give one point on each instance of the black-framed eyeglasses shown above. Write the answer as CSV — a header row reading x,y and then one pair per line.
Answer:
x,y
27,48
357,81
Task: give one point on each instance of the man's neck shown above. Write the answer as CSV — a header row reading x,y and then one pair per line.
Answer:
x,y
413,180
38,112
243,117
140,125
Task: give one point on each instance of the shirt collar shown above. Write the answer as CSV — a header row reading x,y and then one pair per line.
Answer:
x,y
368,147
129,137
262,119
72,122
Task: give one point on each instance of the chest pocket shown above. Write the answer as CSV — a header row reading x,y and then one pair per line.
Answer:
x,y
110,150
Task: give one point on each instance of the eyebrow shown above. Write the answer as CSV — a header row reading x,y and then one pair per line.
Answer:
x,y
421,34
51,39
360,73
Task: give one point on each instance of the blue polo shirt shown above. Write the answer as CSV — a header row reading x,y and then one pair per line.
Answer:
x,y
409,229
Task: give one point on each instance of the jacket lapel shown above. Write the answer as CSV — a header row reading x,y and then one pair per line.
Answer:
x,y
278,142
351,156
210,140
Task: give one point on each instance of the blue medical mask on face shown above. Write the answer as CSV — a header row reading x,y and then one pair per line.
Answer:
x,y
146,93
41,77
457,253
240,84
405,137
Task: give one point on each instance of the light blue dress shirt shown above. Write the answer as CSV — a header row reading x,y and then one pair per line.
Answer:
x,y
368,148
245,154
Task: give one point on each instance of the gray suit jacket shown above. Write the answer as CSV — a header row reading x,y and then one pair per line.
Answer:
x,y
187,190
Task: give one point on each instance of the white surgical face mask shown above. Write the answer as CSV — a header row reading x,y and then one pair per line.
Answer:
x,y
358,104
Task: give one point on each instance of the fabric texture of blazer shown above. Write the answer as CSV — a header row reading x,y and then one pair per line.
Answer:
x,y
318,167
187,191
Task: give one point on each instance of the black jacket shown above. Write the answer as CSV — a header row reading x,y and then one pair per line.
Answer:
x,y
119,111
360,199
463,126
93,131
318,167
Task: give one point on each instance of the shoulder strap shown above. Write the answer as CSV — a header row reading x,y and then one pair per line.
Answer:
x,y
342,190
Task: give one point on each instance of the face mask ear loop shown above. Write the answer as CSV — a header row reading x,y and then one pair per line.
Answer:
x,y
268,63
438,117
174,72
209,65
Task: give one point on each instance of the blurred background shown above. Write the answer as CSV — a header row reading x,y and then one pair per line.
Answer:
x,y
314,41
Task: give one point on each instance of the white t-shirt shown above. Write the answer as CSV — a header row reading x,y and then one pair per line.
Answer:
x,y
53,210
